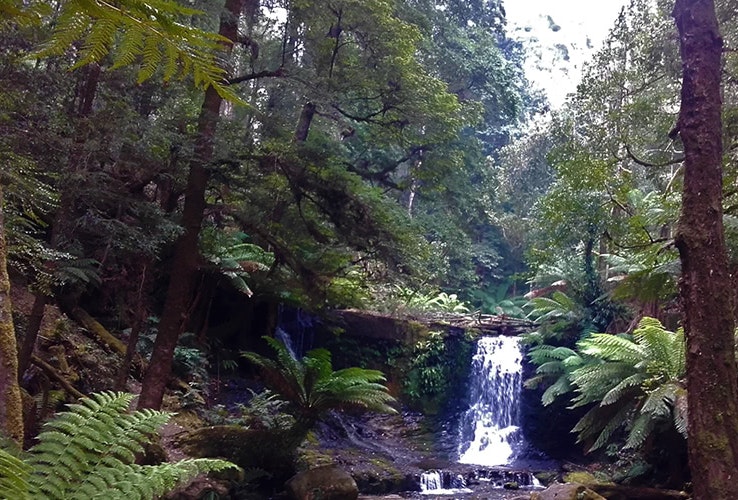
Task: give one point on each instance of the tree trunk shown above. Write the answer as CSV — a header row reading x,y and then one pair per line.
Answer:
x,y
705,285
175,315
29,339
11,406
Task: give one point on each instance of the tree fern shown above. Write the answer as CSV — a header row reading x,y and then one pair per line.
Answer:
x,y
633,382
644,373
89,452
313,388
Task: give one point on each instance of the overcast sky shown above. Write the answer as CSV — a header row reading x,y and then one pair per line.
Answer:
x,y
582,23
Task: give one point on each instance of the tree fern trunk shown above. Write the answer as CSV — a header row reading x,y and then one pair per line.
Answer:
x,y
175,315
11,408
705,286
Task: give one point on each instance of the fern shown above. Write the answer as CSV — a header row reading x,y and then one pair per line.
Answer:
x,y
313,388
89,452
133,30
634,382
13,476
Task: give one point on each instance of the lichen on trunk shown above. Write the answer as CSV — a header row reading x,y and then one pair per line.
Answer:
x,y
11,407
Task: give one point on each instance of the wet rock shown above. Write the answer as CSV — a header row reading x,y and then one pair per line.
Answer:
x,y
568,491
324,483
512,485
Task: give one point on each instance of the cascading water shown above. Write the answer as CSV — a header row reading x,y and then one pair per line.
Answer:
x,y
489,431
442,483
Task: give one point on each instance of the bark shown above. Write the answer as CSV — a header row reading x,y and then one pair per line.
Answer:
x,y
11,405
705,286
175,314
29,339
303,125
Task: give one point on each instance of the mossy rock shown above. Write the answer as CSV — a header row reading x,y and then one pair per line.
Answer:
x,y
310,458
511,485
248,448
324,483
581,477
379,476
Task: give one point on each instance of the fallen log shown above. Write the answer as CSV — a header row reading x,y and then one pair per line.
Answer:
x,y
53,373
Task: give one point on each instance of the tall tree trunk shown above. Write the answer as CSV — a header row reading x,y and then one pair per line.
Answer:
x,y
705,286
11,407
185,262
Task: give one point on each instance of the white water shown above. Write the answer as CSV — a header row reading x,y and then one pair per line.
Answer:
x,y
431,483
489,432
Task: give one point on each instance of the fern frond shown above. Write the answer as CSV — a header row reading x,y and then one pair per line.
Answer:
x,y
613,423
681,413
660,401
665,349
93,433
135,481
88,452
14,475
558,388
594,381
642,427
617,392
149,31
612,348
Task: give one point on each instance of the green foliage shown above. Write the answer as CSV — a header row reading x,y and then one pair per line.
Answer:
x,y
235,258
264,410
402,300
437,371
150,32
447,303
494,299
555,365
632,383
89,452
559,317
312,387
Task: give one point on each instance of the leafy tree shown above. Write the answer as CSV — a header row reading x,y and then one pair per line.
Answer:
x,y
142,25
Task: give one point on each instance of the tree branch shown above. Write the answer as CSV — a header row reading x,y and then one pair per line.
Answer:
x,y
645,163
277,73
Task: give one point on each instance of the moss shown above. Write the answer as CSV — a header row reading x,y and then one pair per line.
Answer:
x,y
580,477
11,404
312,458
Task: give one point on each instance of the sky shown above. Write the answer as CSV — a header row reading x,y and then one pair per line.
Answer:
x,y
561,36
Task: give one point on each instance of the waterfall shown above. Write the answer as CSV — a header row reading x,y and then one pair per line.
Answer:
x,y
286,339
442,483
295,328
489,431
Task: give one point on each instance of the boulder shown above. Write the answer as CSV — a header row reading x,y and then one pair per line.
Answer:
x,y
248,448
325,483
568,491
